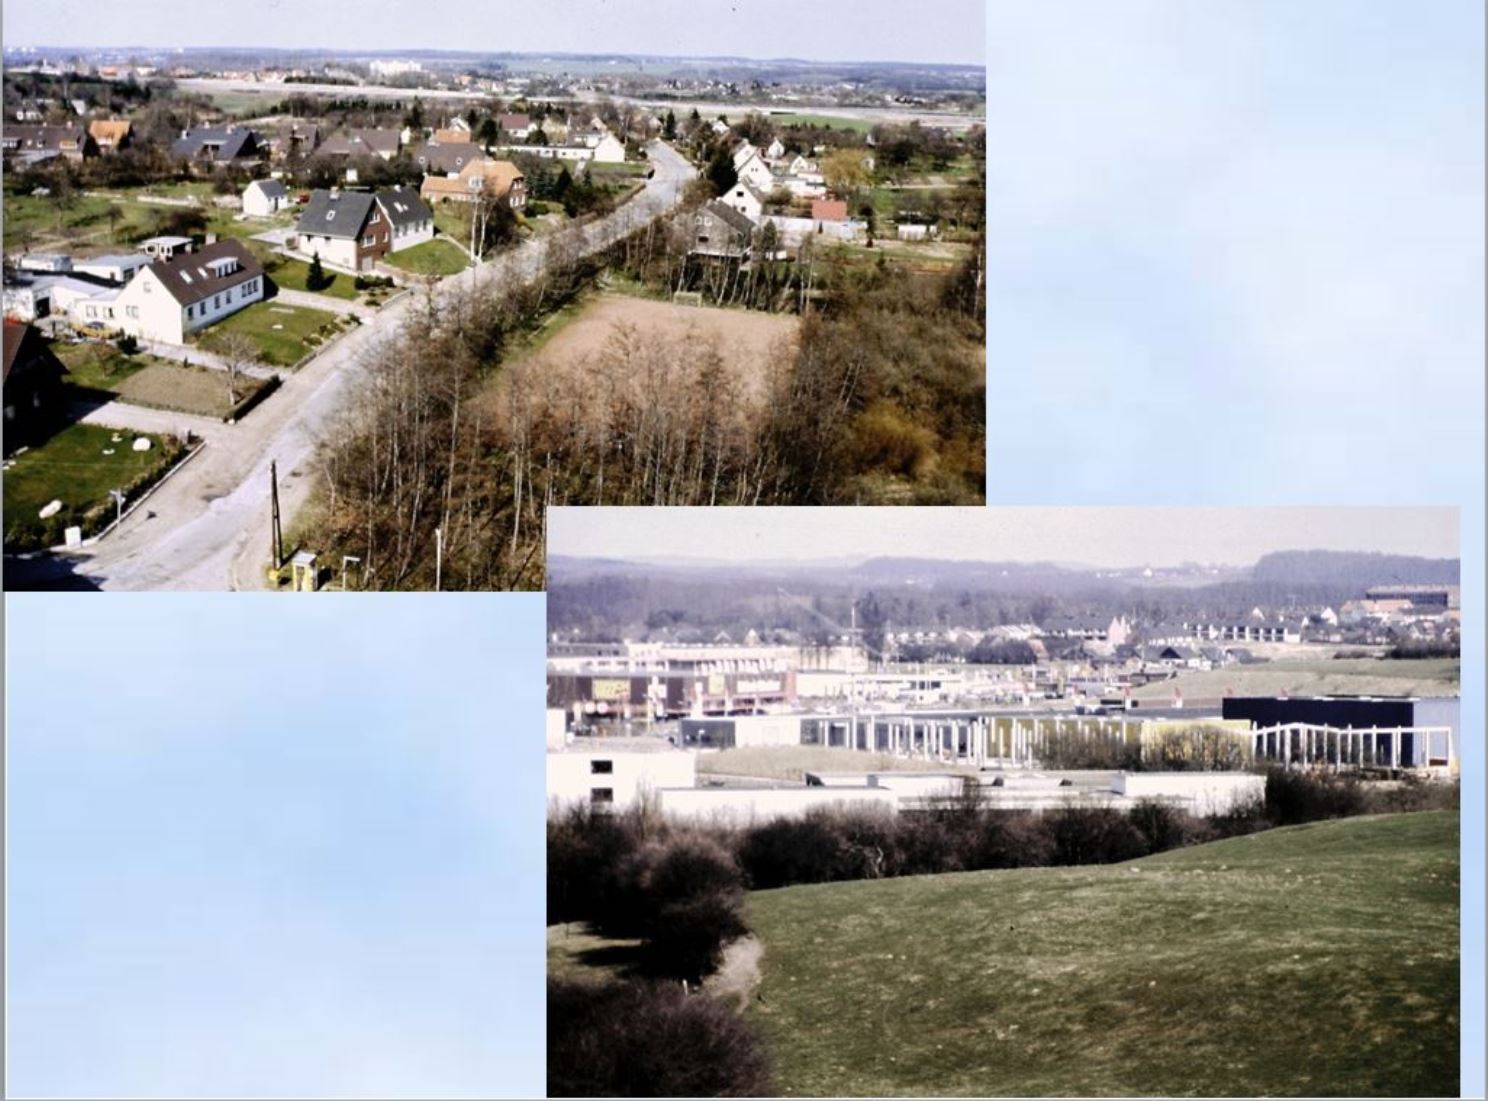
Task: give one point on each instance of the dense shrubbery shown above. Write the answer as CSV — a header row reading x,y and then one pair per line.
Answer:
x,y
679,891
635,875
649,1040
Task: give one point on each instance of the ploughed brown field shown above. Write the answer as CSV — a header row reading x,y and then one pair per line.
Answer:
x,y
645,344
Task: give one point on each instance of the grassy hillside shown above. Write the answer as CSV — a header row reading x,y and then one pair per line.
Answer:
x,y
1321,959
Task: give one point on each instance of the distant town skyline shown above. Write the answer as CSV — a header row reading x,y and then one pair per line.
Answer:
x,y
754,29
1096,537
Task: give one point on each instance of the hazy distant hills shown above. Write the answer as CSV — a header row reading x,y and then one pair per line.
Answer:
x,y
1306,568
602,596
1354,568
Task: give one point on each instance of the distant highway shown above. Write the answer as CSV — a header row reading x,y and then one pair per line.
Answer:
x,y
207,528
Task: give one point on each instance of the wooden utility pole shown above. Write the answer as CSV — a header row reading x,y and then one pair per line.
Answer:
x,y
276,533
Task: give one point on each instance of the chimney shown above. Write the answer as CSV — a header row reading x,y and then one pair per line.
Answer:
x,y
335,193
211,238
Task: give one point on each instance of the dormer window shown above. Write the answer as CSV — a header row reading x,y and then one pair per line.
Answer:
x,y
330,214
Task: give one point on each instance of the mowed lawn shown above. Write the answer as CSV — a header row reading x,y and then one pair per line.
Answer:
x,y
1316,960
94,365
284,334
293,275
72,467
436,257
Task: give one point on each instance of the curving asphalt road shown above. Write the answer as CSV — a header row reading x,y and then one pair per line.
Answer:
x,y
207,528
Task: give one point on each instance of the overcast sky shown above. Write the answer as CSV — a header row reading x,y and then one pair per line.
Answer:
x,y
1092,536
260,847
1236,251
826,30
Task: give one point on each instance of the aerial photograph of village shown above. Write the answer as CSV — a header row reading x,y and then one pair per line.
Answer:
x,y
292,319
1003,802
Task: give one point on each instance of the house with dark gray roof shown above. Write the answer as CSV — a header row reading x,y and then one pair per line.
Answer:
x,y
33,144
209,148
262,198
410,221
346,229
720,230
368,142
172,298
446,158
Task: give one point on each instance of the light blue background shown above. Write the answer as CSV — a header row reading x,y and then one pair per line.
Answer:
x,y
270,846
1236,256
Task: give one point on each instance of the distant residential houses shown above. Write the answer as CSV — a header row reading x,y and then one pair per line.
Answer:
x,y
31,144
764,178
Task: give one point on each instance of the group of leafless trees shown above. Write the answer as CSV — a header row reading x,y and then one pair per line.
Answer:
x,y
880,400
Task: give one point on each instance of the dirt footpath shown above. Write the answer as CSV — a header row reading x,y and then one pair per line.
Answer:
x,y
738,976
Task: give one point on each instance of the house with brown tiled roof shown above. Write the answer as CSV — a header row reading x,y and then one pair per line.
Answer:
x,y
111,135
829,210
484,177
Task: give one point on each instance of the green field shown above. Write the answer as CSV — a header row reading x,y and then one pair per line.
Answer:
x,y
299,330
1324,676
41,222
1316,960
293,274
836,122
72,467
436,257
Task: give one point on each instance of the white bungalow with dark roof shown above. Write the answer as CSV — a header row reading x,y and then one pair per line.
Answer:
x,y
262,198
409,218
172,298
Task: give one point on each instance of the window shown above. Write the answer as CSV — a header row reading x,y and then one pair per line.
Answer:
x,y
146,285
598,767
132,311
190,311
601,795
216,301
369,240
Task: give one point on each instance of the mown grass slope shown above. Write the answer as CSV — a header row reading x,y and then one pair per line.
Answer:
x,y
1318,960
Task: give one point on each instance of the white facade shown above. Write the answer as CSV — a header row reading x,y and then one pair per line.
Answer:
x,y
744,805
755,171
609,150
746,200
116,269
147,309
793,231
618,779
337,252
260,205
557,728
27,301
1200,793
574,153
